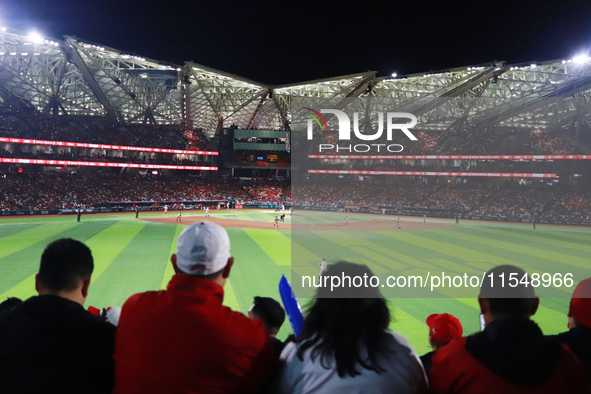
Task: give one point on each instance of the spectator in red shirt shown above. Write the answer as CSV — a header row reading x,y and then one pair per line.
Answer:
x,y
182,340
511,355
442,329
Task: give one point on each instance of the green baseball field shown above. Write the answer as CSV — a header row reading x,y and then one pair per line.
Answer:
x,y
133,255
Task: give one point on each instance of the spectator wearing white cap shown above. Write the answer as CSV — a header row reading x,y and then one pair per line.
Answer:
x,y
182,340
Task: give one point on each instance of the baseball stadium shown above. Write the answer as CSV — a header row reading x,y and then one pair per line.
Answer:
x,y
123,152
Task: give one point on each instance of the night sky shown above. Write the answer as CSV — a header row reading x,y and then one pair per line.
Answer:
x,y
282,42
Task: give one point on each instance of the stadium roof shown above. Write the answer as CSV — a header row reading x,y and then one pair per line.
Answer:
x,y
77,77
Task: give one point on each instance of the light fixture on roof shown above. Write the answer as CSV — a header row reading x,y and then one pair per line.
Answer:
x,y
394,75
582,58
35,38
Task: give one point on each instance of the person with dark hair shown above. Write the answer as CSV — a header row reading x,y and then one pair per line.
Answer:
x,y
9,304
182,339
345,345
578,337
50,343
272,314
511,354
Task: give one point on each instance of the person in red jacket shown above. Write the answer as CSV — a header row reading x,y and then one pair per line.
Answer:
x,y
511,355
578,336
442,329
183,340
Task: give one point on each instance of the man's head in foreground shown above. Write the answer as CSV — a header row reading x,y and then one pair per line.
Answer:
x,y
498,298
270,312
203,250
65,270
579,311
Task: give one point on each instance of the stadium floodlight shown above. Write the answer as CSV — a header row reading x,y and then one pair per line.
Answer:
x,y
394,75
582,58
35,38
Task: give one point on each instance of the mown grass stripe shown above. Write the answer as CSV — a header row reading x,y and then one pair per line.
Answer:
x,y
141,262
499,242
169,272
415,331
519,255
453,249
274,243
107,244
7,229
254,273
496,255
545,233
19,241
21,267
230,299
565,247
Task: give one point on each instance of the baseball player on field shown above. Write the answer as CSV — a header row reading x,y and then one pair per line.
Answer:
x,y
424,219
206,212
346,223
276,223
399,224
178,217
165,208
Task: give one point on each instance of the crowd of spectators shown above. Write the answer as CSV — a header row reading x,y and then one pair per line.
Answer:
x,y
516,203
534,166
477,142
35,191
513,201
491,141
15,123
545,143
183,339
61,191
569,207
461,199
265,193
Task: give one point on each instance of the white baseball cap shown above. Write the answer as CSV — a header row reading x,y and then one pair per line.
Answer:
x,y
202,249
